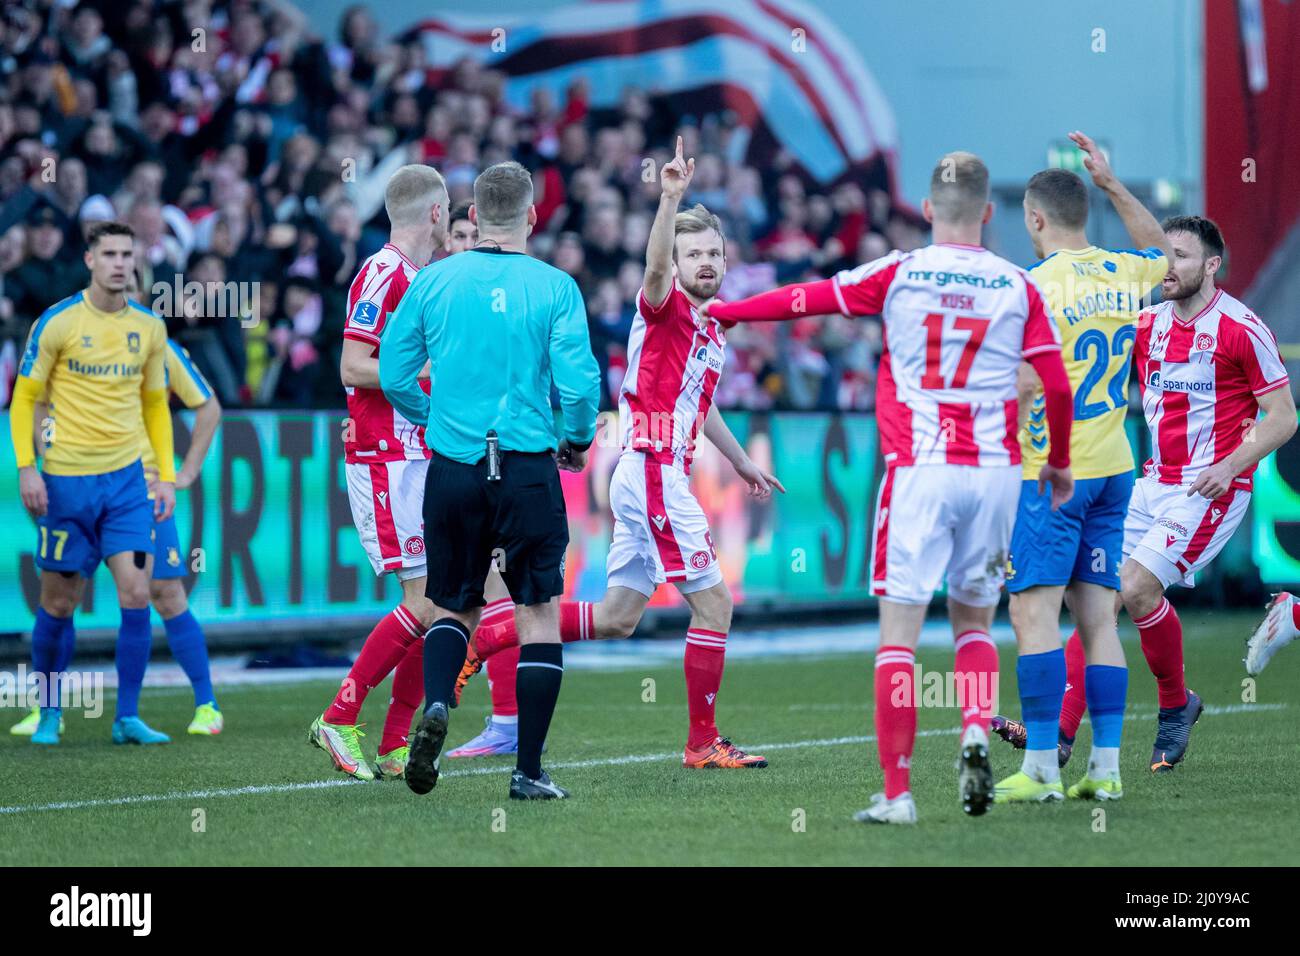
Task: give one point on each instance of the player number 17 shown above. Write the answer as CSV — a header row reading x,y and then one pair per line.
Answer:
x,y
933,377
60,539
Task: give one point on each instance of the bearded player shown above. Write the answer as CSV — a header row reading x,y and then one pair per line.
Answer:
x,y
660,531
1207,366
958,320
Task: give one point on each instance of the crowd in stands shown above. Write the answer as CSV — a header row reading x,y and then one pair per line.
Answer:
x,y
250,153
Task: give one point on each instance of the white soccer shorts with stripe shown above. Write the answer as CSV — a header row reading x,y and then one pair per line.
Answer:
x,y
660,531
1174,535
387,499
937,521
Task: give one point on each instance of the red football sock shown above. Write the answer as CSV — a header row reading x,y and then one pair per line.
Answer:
x,y
501,682
895,716
1162,645
577,622
1295,615
408,694
975,670
382,651
1074,703
706,652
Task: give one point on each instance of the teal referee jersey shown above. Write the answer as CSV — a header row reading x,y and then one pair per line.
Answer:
x,y
498,329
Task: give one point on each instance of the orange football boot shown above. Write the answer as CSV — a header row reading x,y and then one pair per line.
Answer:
x,y
721,753
473,664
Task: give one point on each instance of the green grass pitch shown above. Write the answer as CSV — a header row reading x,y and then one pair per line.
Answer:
x,y
1232,802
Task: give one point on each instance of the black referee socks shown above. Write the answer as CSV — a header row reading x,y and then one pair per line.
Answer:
x,y
537,688
444,653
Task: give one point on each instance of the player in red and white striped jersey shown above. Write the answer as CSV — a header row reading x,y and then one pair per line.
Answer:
x,y
958,320
661,533
385,464
1207,366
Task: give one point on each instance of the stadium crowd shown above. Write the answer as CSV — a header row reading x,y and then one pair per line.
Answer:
x,y
250,154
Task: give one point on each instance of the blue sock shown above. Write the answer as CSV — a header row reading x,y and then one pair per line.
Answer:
x,y
185,638
1042,688
1107,691
67,645
45,652
133,639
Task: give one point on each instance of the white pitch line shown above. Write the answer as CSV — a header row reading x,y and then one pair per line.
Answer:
x,y
1212,711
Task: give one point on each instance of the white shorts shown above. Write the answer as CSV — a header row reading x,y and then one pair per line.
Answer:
x,y
387,499
660,531
1173,535
933,520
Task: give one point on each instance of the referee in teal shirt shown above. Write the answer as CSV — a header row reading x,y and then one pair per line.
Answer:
x,y
499,329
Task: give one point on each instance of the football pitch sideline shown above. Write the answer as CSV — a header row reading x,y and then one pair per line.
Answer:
x,y
259,794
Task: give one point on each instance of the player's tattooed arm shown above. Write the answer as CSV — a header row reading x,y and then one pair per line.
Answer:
x,y
1261,439
674,178
1143,229
760,482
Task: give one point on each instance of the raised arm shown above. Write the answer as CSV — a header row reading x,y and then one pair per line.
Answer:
x,y
1143,229
788,302
859,291
673,180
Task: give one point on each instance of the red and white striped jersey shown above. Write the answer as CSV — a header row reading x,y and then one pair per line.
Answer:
x,y
958,320
672,373
379,432
1200,379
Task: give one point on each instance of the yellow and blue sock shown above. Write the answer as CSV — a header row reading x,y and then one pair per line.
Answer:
x,y
133,639
1042,688
1106,688
185,638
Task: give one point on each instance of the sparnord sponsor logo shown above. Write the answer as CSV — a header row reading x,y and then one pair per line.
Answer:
x,y
77,909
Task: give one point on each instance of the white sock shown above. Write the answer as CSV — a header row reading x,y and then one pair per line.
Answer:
x,y
1103,763
511,721
1042,765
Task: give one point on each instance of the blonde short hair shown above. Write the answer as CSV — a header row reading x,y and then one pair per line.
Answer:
x,y
411,192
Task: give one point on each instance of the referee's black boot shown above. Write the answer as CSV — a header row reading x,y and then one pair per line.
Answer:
x,y
426,748
521,788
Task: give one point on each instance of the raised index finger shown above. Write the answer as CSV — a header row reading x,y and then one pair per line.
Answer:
x,y
680,158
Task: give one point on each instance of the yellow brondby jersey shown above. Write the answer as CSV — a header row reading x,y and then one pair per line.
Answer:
x,y
94,367
184,381
1095,296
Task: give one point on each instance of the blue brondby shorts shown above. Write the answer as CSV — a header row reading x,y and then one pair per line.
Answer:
x,y
91,517
1082,541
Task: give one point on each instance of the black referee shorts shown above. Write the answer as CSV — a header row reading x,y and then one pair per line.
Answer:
x,y
519,522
